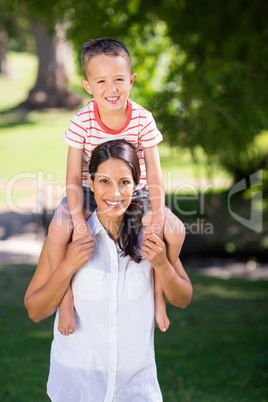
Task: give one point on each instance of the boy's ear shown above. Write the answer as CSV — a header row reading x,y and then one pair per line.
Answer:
x,y
132,79
86,86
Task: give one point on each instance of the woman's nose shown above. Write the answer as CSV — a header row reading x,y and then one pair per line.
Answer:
x,y
116,191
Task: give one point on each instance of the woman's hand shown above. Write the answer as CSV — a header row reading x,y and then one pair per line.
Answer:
x,y
79,252
154,249
175,282
46,289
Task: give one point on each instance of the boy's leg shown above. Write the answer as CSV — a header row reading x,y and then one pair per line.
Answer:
x,y
59,234
174,234
159,300
160,305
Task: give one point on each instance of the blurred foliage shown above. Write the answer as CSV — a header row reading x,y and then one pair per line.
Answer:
x,y
202,67
215,97
16,24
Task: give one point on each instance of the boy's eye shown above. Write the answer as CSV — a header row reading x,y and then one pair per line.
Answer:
x,y
100,82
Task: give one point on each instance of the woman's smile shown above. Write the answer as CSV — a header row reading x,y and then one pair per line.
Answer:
x,y
113,187
113,204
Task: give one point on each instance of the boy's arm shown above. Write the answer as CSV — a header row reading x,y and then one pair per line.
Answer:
x,y
155,183
75,192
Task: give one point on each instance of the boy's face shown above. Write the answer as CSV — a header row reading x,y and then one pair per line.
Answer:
x,y
109,80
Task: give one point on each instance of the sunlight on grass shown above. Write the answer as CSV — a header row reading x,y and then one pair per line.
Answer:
x,y
224,292
17,197
41,334
23,76
36,145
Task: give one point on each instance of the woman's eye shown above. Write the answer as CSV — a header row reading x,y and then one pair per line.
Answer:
x,y
125,182
104,181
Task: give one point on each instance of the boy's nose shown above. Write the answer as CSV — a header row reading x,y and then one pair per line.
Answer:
x,y
112,86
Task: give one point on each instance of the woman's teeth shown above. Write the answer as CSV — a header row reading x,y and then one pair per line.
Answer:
x,y
113,203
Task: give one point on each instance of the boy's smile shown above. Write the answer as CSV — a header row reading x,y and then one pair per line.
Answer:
x,y
109,80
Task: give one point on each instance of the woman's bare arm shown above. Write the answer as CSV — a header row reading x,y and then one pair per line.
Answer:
x,y
175,282
47,289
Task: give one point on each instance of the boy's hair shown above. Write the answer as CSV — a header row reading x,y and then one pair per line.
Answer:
x,y
106,46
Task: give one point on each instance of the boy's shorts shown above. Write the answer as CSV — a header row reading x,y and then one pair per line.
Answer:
x,y
89,203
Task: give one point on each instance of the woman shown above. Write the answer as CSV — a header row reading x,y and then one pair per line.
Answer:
x,y
110,356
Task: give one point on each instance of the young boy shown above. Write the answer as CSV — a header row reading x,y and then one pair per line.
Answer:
x,y
109,115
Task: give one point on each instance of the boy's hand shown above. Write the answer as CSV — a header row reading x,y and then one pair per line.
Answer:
x,y
81,230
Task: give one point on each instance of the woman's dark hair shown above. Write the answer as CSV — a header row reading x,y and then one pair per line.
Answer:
x,y
128,237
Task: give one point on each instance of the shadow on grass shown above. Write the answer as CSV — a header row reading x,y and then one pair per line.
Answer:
x,y
215,350
11,118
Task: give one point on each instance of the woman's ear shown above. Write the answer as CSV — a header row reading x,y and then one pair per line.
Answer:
x,y
91,183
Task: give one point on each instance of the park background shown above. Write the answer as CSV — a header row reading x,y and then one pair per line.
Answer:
x,y
203,72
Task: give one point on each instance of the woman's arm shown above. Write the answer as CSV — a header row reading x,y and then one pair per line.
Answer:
x,y
175,282
47,289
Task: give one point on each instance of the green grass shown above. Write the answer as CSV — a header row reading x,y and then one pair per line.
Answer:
x,y
33,144
22,77
215,350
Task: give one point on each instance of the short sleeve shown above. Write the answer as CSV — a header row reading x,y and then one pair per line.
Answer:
x,y
75,135
150,136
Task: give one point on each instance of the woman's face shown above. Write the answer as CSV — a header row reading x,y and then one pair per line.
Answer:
x,y
113,186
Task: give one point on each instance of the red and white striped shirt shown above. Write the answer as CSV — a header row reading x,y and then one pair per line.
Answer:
x,y
86,131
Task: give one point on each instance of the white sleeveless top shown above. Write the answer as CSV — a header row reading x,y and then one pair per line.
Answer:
x,y
110,356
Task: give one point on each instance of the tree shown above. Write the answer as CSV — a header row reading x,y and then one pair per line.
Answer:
x,y
6,25
55,65
52,48
216,98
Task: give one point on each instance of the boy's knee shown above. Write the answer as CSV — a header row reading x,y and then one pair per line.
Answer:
x,y
61,225
174,228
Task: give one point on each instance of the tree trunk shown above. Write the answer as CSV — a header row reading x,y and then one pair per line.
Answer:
x,y
4,70
55,63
